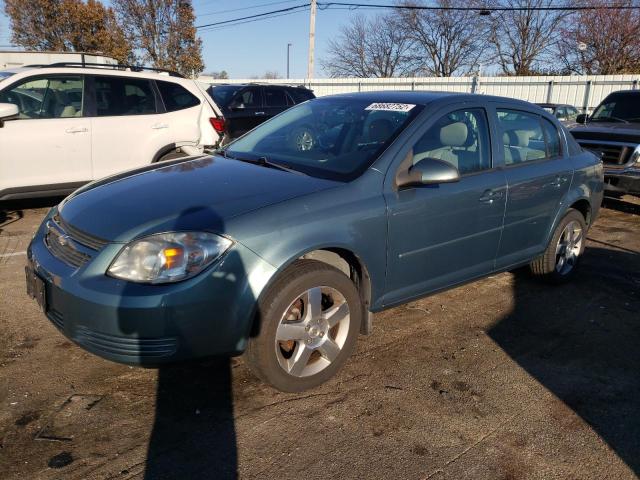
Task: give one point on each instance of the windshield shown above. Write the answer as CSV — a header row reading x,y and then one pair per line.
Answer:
x,y
223,94
335,138
618,108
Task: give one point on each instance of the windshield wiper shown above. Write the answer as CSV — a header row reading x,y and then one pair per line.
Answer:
x,y
262,161
606,118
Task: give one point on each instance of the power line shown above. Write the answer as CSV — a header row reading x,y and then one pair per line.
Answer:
x,y
258,15
221,27
328,5
246,8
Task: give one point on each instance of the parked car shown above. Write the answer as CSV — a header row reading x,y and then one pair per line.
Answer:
x,y
613,132
567,114
64,125
284,250
245,106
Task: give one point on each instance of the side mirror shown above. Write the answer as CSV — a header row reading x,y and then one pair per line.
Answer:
x,y
582,118
8,111
429,171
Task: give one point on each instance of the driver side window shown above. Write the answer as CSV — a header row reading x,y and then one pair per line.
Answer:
x,y
53,97
460,138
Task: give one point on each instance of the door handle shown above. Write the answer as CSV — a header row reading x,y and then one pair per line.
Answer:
x,y
490,196
259,113
77,130
159,126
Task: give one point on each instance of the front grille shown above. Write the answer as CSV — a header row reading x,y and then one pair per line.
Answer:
x,y
130,347
95,243
611,154
61,247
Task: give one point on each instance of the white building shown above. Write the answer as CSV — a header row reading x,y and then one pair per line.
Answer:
x,y
15,58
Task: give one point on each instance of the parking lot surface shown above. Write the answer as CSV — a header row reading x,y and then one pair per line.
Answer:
x,y
505,378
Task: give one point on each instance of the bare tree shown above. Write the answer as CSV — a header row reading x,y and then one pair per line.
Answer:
x,y
67,25
525,39
271,75
163,32
221,75
602,41
370,48
445,42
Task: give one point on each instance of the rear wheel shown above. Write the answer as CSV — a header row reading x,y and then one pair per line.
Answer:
x,y
559,261
309,323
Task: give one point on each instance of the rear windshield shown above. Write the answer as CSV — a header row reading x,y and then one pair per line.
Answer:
x,y
335,138
223,94
618,107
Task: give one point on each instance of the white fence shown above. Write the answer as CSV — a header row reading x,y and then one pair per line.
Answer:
x,y
584,92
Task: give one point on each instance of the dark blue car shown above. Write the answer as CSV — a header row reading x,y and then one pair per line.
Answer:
x,y
284,243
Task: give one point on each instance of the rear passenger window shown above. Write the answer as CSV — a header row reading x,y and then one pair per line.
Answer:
x,y
460,138
552,139
124,96
522,137
176,97
275,97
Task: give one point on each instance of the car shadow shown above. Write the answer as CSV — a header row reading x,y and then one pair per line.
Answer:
x,y
580,341
13,211
193,434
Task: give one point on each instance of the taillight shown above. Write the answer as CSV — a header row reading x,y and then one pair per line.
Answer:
x,y
217,124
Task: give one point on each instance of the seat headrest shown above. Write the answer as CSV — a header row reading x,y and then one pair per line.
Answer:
x,y
517,138
454,134
380,130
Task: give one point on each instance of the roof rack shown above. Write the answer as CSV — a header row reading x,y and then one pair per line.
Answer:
x,y
109,66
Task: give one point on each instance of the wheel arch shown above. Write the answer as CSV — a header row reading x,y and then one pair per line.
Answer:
x,y
345,260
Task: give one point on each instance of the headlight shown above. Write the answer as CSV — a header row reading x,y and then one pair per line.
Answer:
x,y
168,257
635,156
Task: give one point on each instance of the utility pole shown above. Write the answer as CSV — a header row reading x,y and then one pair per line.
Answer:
x,y
288,48
312,38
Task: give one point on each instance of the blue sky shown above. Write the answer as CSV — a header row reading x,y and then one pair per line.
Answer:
x,y
253,48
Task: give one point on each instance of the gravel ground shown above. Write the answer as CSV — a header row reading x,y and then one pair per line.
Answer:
x,y
505,378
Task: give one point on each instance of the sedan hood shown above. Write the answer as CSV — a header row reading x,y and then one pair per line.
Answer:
x,y
194,194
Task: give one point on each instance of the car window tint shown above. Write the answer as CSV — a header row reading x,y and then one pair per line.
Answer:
x,y
522,137
249,98
301,94
460,138
275,97
47,97
124,96
176,97
552,139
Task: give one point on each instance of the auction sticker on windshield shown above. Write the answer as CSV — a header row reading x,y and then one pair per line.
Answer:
x,y
391,107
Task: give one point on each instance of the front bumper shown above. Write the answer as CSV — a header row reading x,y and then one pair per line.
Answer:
x,y
137,324
622,180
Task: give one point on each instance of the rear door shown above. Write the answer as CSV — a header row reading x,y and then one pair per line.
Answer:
x,y
50,142
127,128
276,100
245,111
538,173
184,114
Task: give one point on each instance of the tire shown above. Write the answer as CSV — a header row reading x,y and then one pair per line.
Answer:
x,y
314,343
559,261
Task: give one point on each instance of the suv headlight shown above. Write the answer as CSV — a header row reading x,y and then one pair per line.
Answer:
x,y
168,257
635,156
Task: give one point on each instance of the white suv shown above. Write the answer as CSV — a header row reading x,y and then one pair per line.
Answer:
x,y
64,125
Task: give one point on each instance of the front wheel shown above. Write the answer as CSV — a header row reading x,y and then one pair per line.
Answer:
x,y
558,263
309,321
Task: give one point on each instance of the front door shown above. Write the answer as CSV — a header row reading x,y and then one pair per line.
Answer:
x,y
441,235
49,144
